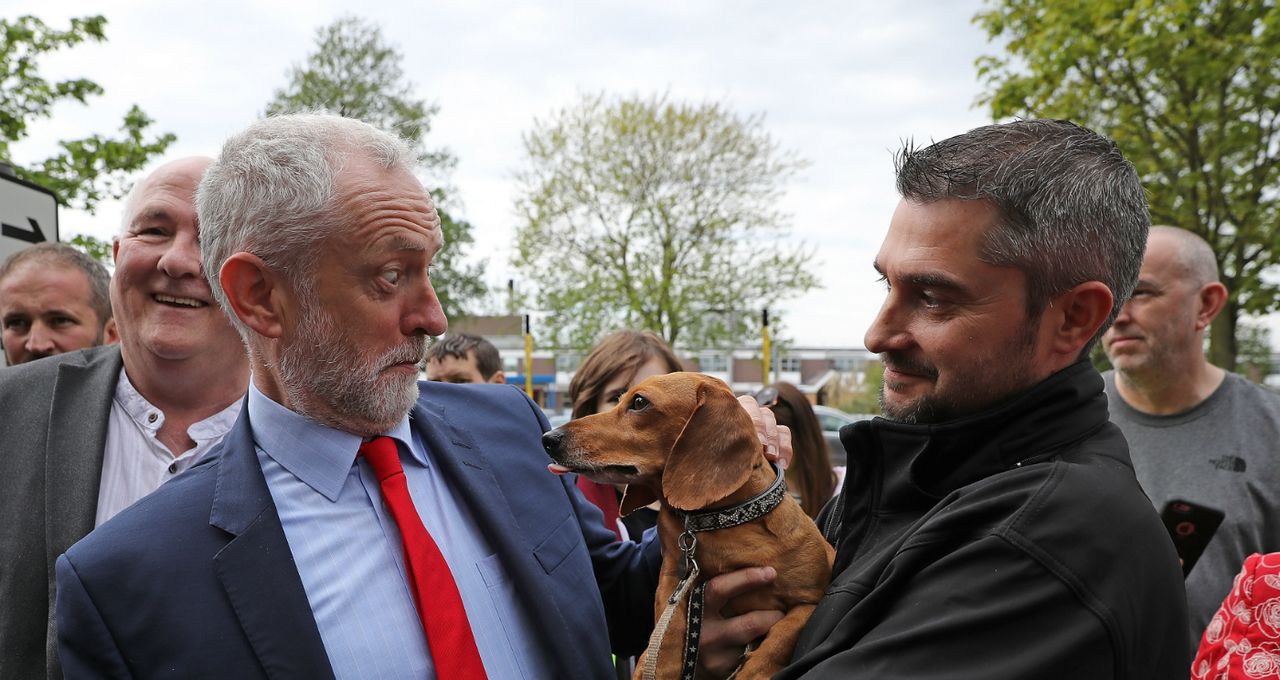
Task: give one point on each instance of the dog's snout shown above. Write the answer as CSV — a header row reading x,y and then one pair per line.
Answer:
x,y
552,441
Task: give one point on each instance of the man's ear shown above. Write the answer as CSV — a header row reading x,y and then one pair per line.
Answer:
x,y
110,332
1076,316
498,377
255,293
1212,298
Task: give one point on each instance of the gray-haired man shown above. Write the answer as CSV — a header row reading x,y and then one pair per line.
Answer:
x,y
991,526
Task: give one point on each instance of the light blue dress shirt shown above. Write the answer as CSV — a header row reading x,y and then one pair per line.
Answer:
x,y
348,552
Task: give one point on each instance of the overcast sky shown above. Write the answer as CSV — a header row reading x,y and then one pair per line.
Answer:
x,y
840,83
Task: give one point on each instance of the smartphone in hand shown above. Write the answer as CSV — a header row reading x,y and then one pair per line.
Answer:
x,y
1190,525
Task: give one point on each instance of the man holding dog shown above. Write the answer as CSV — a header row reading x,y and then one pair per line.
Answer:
x,y
992,526
351,525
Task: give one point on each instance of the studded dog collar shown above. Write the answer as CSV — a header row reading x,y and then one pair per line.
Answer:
x,y
753,509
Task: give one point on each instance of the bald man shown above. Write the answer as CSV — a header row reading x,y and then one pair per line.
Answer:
x,y
1196,432
87,433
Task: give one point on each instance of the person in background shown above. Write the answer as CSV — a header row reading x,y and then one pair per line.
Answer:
x,y
620,361
1197,433
461,358
810,475
53,299
86,434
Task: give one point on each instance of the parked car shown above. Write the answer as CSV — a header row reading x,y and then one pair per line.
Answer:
x,y
831,420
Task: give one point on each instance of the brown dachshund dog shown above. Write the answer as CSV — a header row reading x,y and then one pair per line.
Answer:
x,y
684,439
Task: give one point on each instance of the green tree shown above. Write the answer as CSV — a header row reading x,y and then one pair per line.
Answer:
x,y
851,396
1190,89
647,213
84,171
356,73
1255,351
94,247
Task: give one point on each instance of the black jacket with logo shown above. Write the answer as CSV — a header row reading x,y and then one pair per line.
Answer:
x,y
1011,544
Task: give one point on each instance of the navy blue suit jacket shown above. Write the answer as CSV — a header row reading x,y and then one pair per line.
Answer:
x,y
197,580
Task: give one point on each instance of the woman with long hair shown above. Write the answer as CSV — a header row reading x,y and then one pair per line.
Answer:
x,y
617,363
810,475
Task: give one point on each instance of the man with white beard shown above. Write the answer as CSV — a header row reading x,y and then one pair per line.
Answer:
x,y
351,526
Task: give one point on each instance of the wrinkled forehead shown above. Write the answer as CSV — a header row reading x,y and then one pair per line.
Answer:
x,y
377,198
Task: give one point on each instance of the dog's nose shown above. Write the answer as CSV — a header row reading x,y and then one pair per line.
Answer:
x,y
552,441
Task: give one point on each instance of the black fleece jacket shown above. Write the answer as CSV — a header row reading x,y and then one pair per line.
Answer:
x,y
1011,544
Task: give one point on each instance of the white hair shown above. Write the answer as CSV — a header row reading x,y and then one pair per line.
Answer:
x,y
273,192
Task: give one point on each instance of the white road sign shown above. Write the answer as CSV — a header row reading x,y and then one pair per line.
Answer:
x,y
28,215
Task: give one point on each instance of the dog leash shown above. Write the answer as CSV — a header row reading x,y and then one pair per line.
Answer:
x,y
696,522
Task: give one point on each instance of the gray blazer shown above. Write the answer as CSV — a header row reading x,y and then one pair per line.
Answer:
x,y
53,431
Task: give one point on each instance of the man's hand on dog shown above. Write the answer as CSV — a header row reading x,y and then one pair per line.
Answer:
x,y
775,438
725,639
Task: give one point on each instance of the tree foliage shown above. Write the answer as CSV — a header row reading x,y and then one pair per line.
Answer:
x,y
356,73
1255,351
84,171
1190,89
851,396
94,247
646,213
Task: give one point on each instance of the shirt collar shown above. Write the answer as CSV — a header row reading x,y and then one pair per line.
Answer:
x,y
150,418
318,455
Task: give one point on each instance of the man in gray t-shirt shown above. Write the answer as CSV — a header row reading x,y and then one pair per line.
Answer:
x,y
1196,433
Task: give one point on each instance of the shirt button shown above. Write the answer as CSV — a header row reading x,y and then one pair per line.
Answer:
x,y
173,467
151,417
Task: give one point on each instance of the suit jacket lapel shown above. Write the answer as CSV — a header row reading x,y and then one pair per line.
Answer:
x,y
76,441
256,567
471,476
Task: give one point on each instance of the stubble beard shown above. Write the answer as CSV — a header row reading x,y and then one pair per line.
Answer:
x,y
990,381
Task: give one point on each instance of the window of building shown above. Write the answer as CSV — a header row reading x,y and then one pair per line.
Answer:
x,y
567,362
713,363
846,364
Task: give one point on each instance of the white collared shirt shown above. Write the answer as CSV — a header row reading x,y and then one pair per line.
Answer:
x,y
135,462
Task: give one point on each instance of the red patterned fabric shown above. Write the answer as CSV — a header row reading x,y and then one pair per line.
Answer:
x,y
1243,638
453,648
605,497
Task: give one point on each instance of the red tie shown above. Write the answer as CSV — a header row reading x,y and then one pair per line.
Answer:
x,y
453,649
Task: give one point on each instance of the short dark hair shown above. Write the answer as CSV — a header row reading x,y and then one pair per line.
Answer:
x,y
63,255
459,345
1071,208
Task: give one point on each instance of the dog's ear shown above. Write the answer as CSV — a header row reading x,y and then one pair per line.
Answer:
x,y
714,454
636,496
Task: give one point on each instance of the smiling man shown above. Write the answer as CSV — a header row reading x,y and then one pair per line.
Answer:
x,y
355,523
53,299
85,434
991,525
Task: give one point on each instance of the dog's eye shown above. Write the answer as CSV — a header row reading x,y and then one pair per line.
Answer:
x,y
639,403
